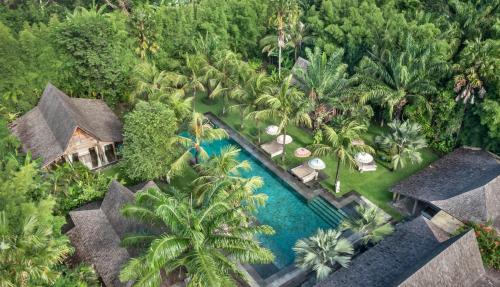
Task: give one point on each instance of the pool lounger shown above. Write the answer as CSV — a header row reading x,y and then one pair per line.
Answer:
x,y
272,148
304,173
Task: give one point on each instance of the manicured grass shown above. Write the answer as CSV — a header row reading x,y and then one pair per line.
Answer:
x,y
372,185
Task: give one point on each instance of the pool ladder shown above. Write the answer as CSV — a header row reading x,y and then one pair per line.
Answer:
x,y
327,212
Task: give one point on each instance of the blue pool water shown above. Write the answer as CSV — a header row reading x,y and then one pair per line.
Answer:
x,y
289,215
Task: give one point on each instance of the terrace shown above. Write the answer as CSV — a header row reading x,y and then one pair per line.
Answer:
x,y
372,185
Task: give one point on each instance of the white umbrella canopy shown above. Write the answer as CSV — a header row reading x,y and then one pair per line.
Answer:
x,y
272,130
316,163
286,139
364,157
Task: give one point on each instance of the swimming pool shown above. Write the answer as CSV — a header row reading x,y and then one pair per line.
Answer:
x,y
290,216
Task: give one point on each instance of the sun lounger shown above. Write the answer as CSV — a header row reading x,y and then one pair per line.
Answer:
x,y
372,166
272,148
304,173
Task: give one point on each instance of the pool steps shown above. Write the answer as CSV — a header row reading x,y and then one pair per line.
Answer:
x,y
327,212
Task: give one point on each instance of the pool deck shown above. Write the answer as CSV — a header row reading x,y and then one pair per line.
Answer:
x,y
290,275
306,192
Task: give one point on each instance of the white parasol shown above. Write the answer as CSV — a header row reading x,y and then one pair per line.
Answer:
x,y
316,163
272,130
364,157
287,139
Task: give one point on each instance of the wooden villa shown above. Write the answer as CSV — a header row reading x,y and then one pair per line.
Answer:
x,y
63,129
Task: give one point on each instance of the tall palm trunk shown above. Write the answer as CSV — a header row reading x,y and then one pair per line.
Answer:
x,y
337,173
284,150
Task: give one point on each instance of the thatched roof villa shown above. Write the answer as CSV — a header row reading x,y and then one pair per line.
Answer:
x,y
417,254
98,232
464,183
61,129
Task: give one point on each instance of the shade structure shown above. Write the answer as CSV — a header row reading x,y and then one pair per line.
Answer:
x,y
316,163
272,130
302,152
364,157
286,139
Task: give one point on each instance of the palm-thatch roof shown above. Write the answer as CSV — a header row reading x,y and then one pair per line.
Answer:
x,y
98,232
416,254
47,129
464,183
301,64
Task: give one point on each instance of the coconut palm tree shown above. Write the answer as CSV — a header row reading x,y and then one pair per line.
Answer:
x,y
403,142
324,81
206,243
285,104
322,252
30,246
283,11
220,178
251,87
150,81
299,35
338,140
200,130
396,79
371,225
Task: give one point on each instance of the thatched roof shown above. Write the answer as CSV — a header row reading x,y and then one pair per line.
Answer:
x,y
98,232
301,64
416,254
47,128
465,183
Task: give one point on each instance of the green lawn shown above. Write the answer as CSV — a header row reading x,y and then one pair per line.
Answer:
x,y
372,185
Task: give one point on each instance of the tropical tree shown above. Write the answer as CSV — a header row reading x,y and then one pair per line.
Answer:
x,y
283,11
285,104
299,36
148,130
149,81
206,243
251,87
322,252
371,225
325,81
199,131
403,142
395,79
338,140
220,177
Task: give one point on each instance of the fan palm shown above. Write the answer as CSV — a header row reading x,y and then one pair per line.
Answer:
x,y
200,130
322,252
371,225
395,79
403,142
287,105
325,81
338,140
205,243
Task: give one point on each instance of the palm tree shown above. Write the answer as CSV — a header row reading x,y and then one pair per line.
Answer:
x,y
206,243
283,10
403,142
31,246
324,81
395,79
299,35
220,179
150,81
251,87
200,130
372,224
287,105
338,140
322,251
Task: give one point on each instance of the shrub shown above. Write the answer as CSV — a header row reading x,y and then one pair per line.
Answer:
x,y
488,240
